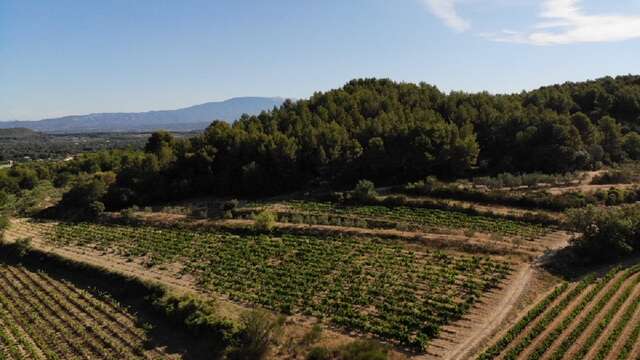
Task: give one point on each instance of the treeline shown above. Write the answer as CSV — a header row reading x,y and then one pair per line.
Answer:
x,y
394,133
387,132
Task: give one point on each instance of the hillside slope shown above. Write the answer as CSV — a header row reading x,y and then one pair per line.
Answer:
x,y
191,118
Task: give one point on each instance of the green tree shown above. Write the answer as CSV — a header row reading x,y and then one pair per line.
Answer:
x,y
611,138
631,145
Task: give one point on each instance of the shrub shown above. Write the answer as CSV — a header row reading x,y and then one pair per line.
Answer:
x,y
95,209
606,233
259,329
265,221
364,191
230,205
319,353
363,350
623,176
313,335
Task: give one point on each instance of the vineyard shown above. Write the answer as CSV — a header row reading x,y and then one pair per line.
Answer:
x,y
420,218
46,318
368,285
597,318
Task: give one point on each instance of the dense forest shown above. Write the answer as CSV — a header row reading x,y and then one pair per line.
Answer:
x,y
384,131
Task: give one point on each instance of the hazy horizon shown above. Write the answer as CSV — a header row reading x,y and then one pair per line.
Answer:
x,y
71,57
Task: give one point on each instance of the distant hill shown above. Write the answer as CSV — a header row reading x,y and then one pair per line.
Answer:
x,y
191,118
21,134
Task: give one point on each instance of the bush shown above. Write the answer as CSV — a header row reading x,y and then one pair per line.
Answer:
x,y
363,350
230,205
197,315
313,335
364,191
606,233
259,330
614,177
265,221
95,209
319,353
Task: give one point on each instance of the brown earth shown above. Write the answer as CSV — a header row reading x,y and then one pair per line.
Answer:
x,y
461,339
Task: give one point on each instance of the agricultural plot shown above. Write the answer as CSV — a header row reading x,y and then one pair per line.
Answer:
x,y
425,218
593,319
368,285
46,318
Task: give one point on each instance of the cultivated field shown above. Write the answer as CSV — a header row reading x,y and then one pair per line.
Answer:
x,y
42,317
369,285
597,318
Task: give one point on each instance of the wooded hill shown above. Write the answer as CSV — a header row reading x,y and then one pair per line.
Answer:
x,y
384,131
393,132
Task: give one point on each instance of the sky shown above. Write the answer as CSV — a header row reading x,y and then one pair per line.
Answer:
x,y
63,57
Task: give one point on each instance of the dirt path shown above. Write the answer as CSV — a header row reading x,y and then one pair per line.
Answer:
x,y
477,332
480,330
296,325
480,325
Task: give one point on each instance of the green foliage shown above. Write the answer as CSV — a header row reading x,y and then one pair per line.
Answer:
x,y
265,221
197,315
623,175
631,145
258,331
319,353
536,199
363,350
84,197
364,191
495,350
606,233
230,205
337,278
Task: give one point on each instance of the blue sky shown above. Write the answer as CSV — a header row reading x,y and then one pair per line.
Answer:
x,y
76,56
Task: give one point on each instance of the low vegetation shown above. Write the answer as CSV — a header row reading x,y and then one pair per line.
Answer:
x,y
425,218
368,285
606,233
540,199
585,322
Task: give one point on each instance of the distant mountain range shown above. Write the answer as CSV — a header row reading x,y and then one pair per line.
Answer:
x,y
191,118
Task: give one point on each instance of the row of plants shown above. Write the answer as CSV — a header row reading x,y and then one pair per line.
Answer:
x,y
546,319
496,349
606,320
613,337
56,332
369,285
426,218
539,318
575,312
631,341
